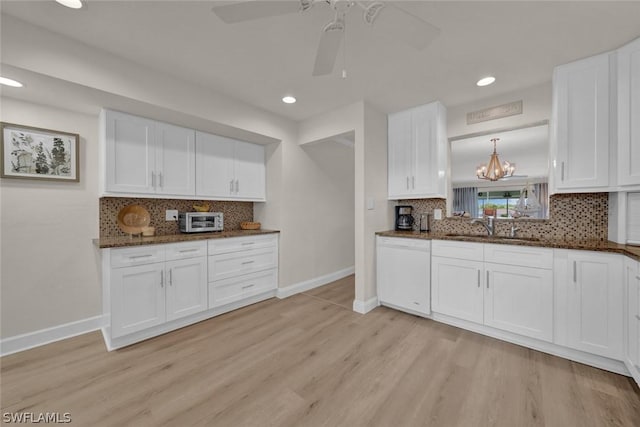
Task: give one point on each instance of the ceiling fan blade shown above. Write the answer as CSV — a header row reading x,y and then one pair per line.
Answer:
x,y
251,10
328,48
404,26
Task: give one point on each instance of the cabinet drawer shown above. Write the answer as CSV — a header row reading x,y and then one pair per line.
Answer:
x,y
236,244
185,250
519,255
460,250
237,263
236,288
139,255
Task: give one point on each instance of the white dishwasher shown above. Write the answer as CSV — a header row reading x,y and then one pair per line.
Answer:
x,y
404,274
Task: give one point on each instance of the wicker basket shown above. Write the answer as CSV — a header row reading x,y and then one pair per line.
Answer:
x,y
246,225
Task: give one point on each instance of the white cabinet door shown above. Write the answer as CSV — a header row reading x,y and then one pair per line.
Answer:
x,y
137,298
175,160
214,166
632,322
629,114
520,300
595,303
186,287
403,276
400,148
430,148
580,125
417,152
457,288
249,171
130,153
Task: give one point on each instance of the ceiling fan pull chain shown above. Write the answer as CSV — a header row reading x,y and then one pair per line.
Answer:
x,y
344,49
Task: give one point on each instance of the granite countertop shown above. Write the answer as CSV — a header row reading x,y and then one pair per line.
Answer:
x,y
120,242
589,245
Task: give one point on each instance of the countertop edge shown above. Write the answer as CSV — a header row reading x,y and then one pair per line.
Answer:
x,y
126,241
587,245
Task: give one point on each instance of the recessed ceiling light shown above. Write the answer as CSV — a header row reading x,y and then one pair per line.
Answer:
x,y
73,4
486,81
288,100
10,82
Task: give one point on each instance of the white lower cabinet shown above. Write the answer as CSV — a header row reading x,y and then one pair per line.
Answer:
x,y
137,298
148,295
150,290
241,268
519,300
457,288
515,295
403,276
186,287
632,317
594,303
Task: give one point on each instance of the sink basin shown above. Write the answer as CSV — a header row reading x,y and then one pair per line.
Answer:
x,y
494,238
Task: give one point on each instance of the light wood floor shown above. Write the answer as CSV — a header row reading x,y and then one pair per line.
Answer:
x,y
307,361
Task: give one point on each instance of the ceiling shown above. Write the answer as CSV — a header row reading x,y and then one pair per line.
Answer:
x,y
258,62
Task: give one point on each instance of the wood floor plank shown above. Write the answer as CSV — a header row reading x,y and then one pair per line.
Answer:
x,y
309,360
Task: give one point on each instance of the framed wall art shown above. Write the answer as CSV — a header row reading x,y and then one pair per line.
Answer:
x,y
34,153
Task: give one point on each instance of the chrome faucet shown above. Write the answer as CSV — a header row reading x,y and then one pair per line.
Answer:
x,y
490,225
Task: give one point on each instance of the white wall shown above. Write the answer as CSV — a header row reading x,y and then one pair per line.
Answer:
x,y
536,107
49,270
67,289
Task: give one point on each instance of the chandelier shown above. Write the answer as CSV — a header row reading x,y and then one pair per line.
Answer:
x,y
494,171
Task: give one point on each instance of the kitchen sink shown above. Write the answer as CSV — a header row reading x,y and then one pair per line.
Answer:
x,y
494,238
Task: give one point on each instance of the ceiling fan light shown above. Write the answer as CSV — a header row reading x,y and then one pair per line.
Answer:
x,y
73,4
486,81
289,99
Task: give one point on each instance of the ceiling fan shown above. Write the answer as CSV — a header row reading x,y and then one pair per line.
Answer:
x,y
388,18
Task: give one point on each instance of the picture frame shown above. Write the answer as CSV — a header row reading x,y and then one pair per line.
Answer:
x,y
28,152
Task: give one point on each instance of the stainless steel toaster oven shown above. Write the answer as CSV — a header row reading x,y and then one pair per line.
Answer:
x,y
199,222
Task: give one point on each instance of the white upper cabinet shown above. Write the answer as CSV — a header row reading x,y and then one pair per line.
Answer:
x,y
418,152
130,153
581,125
228,169
175,160
629,115
143,156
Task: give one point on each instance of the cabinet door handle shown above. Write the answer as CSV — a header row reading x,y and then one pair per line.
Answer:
x,y
561,171
248,243
153,179
248,286
407,183
487,279
248,262
237,186
162,278
188,250
140,256
170,277
413,182
637,277
478,277
638,317
575,272
231,186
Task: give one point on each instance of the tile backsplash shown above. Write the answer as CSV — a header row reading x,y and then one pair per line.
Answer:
x,y
234,213
571,217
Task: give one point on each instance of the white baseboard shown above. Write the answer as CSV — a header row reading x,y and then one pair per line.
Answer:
x,y
314,283
45,336
363,307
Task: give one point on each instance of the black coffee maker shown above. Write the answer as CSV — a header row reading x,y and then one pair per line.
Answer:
x,y
404,219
